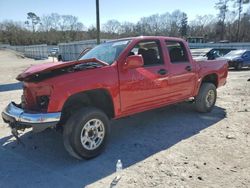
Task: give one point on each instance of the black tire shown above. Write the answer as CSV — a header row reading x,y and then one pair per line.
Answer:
x,y
201,100
239,66
73,130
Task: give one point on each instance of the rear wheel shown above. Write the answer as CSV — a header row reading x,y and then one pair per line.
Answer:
x,y
205,100
86,133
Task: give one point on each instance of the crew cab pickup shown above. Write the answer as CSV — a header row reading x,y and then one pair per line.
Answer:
x,y
113,80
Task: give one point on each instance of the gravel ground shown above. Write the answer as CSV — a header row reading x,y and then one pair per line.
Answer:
x,y
168,147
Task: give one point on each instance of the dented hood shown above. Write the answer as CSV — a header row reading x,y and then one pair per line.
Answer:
x,y
47,67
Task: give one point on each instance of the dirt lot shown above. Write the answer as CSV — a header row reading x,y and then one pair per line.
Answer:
x,y
167,147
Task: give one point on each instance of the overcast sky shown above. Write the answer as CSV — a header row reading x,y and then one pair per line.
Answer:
x,y
121,10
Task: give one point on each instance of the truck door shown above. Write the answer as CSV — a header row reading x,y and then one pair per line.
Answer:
x,y
143,87
182,76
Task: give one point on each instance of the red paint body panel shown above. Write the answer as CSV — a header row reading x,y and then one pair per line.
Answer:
x,y
133,90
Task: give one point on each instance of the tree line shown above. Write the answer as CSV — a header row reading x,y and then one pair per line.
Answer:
x,y
231,23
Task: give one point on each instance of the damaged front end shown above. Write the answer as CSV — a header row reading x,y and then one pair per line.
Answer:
x,y
20,119
33,111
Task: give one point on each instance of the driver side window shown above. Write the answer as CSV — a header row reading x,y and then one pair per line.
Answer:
x,y
150,52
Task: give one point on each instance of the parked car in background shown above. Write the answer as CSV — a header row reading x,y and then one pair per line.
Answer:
x,y
209,53
200,54
54,52
238,59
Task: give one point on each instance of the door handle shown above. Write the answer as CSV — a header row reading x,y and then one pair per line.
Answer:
x,y
162,72
188,68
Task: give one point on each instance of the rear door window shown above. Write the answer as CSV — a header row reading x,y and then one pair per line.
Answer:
x,y
177,52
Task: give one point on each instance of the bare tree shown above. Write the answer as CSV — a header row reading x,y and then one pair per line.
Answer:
x,y
55,28
176,18
112,27
46,23
55,21
165,23
245,28
203,26
127,29
239,4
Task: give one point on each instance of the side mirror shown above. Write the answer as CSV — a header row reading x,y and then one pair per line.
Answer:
x,y
133,61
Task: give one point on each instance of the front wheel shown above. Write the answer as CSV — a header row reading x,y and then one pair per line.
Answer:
x,y
205,100
86,132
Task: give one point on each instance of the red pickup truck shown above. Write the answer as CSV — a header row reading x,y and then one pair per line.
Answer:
x,y
113,80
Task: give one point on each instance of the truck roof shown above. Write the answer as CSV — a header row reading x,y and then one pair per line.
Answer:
x,y
148,38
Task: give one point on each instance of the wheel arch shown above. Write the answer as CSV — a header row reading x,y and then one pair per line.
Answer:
x,y
99,98
211,78
208,78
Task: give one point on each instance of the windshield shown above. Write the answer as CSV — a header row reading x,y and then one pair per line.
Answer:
x,y
107,52
235,53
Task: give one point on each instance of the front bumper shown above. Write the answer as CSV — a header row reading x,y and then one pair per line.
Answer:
x,y
21,119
